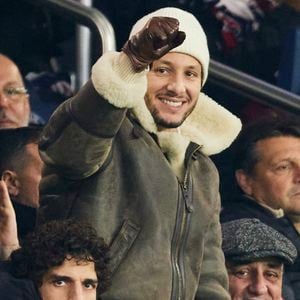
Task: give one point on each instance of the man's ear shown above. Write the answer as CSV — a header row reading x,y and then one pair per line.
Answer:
x,y
12,182
244,181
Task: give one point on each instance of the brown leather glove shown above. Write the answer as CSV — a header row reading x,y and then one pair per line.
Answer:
x,y
159,36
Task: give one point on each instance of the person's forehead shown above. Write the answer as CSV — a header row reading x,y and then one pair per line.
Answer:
x,y
278,140
267,262
9,72
278,145
74,269
178,58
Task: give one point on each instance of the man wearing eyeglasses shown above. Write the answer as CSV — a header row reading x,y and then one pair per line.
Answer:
x,y
14,99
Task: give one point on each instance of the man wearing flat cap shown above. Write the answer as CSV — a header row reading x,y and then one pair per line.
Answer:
x,y
255,254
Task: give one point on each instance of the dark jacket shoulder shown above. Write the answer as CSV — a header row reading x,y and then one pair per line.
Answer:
x,y
12,288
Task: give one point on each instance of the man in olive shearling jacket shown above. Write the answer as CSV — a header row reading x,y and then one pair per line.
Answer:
x,y
129,154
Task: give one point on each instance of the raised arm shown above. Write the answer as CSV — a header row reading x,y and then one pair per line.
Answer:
x,y
8,224
79,135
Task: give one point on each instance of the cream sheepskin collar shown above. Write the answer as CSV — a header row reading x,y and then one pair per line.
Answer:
x,y
209,125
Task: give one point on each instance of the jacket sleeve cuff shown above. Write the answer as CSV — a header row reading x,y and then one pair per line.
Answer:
x,y
114,79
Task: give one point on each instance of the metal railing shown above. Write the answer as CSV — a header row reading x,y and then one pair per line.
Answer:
x,y
252,88
83,50
231,79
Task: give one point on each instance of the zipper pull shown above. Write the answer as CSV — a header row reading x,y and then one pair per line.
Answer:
x,y
187,195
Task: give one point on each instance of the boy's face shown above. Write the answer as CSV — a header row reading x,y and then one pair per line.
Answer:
x,y
72,280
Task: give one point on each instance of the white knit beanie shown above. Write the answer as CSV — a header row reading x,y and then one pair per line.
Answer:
x,y
195,43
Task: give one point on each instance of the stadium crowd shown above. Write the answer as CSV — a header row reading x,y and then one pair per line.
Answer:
x,y
116,196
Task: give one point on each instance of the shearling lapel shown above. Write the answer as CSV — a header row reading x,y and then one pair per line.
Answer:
x,y
209,125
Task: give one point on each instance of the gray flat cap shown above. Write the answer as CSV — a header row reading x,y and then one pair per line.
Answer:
x,y
250,239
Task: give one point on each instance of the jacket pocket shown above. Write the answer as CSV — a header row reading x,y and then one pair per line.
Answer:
x,y
122,244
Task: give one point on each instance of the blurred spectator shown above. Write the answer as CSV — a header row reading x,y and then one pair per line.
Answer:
x,y
249,34
239,19
267,171
14,100
255,255
47,90
31,34
14,97
20,169
59,260
34,39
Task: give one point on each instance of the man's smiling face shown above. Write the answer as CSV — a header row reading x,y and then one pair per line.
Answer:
x,y
174,83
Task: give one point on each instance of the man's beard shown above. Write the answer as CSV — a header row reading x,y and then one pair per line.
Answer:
x,y
161,122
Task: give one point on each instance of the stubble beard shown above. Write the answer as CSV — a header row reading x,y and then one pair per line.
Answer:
x,y
162,123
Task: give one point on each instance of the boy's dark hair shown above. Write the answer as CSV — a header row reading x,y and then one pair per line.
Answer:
x,y
244,148
51,243
12,143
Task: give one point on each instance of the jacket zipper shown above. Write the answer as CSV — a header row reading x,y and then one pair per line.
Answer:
x,y
181,230
178,277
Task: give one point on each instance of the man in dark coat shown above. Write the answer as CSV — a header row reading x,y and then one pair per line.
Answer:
x,y
267,171
21,172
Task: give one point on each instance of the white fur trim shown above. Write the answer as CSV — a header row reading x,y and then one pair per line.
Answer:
x,y
115,80
174,145
211,125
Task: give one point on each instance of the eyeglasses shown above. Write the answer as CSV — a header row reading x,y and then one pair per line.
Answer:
x,y
13,93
